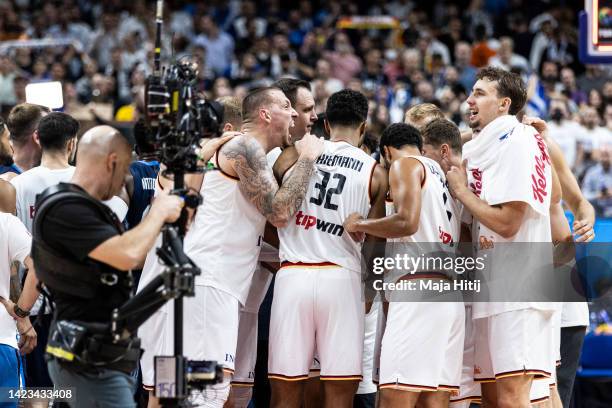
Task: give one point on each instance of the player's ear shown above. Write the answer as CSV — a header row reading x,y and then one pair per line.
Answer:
x,y
505,104
228,127
445,150
362,128
326,125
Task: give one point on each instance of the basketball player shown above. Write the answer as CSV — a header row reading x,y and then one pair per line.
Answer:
x,y
317,294
423,208
421,114
22,123
7,197
226,234
446,150
506,207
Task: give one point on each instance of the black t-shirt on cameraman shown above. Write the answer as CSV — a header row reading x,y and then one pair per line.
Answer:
x,y
74,228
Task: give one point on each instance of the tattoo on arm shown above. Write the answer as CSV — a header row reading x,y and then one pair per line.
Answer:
x,y
258,184
15,288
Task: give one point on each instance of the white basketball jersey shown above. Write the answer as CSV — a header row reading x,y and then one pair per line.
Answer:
x,y
226,236
339,187
440,218
31,183
439,222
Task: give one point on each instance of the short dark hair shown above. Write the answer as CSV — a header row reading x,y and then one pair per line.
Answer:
x,y
370,141
399,135
290,86
255,99
346,108
23,120
509,85
56,129
440,131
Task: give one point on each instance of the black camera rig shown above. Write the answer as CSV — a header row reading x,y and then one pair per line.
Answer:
x,y
178,118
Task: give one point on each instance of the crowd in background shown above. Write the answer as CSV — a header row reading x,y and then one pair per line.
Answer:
x,y
432,55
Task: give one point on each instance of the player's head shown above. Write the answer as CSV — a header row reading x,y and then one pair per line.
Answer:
x,y
232,113
442,143
495,93
369,143
270,111
22,123
299,94
348,110
57,133
397,137
103,159
421,114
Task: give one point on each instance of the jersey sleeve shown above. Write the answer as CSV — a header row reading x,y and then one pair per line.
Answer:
x,y
20,242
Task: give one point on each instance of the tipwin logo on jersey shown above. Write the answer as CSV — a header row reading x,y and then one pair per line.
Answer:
x,y
309,221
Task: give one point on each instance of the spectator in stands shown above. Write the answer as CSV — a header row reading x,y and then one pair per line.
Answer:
x,y
543,25
481,51
597,184
7,76
345,65
593,78
507,59
467,72
608,116
218,44
569,88
105,39
564,130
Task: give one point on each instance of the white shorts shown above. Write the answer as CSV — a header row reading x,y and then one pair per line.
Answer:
x,y
156,339
366,386
211,326
316,307
513,343
422,347
246,351
469,391
540,390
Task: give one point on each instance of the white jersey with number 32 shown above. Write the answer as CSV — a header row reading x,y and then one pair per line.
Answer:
x,y
339,187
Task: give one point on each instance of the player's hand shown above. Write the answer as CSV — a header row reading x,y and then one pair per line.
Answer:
x,y
27,335
310,146
457,178
537,123
583,231
9,305
167,206
350,226
208,147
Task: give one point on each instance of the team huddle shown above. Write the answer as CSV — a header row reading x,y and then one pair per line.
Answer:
x,y
321,200
280,202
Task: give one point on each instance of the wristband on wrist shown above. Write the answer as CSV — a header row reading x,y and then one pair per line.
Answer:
x,y
20,312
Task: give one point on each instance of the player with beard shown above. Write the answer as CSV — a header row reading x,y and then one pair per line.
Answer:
x,y
419,362
319,282
507,207
225,237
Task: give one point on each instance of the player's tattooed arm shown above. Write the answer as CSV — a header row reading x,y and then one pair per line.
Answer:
x,y
258,184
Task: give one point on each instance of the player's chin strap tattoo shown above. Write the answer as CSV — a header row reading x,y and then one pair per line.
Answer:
x,y
258,184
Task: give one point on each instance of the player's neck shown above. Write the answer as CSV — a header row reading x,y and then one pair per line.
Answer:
x,y
345,134
259,135
88,182
26,157
54,160
407,151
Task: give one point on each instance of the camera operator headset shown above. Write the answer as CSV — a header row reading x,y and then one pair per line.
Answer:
x,y
83,257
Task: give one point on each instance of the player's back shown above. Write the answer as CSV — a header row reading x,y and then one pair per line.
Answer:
x,y
339,187
31,183
144,174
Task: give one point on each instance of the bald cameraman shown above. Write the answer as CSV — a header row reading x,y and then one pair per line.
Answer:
x,y
82,255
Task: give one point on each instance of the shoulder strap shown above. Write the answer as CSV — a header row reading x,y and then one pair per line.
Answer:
x,y
59,192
